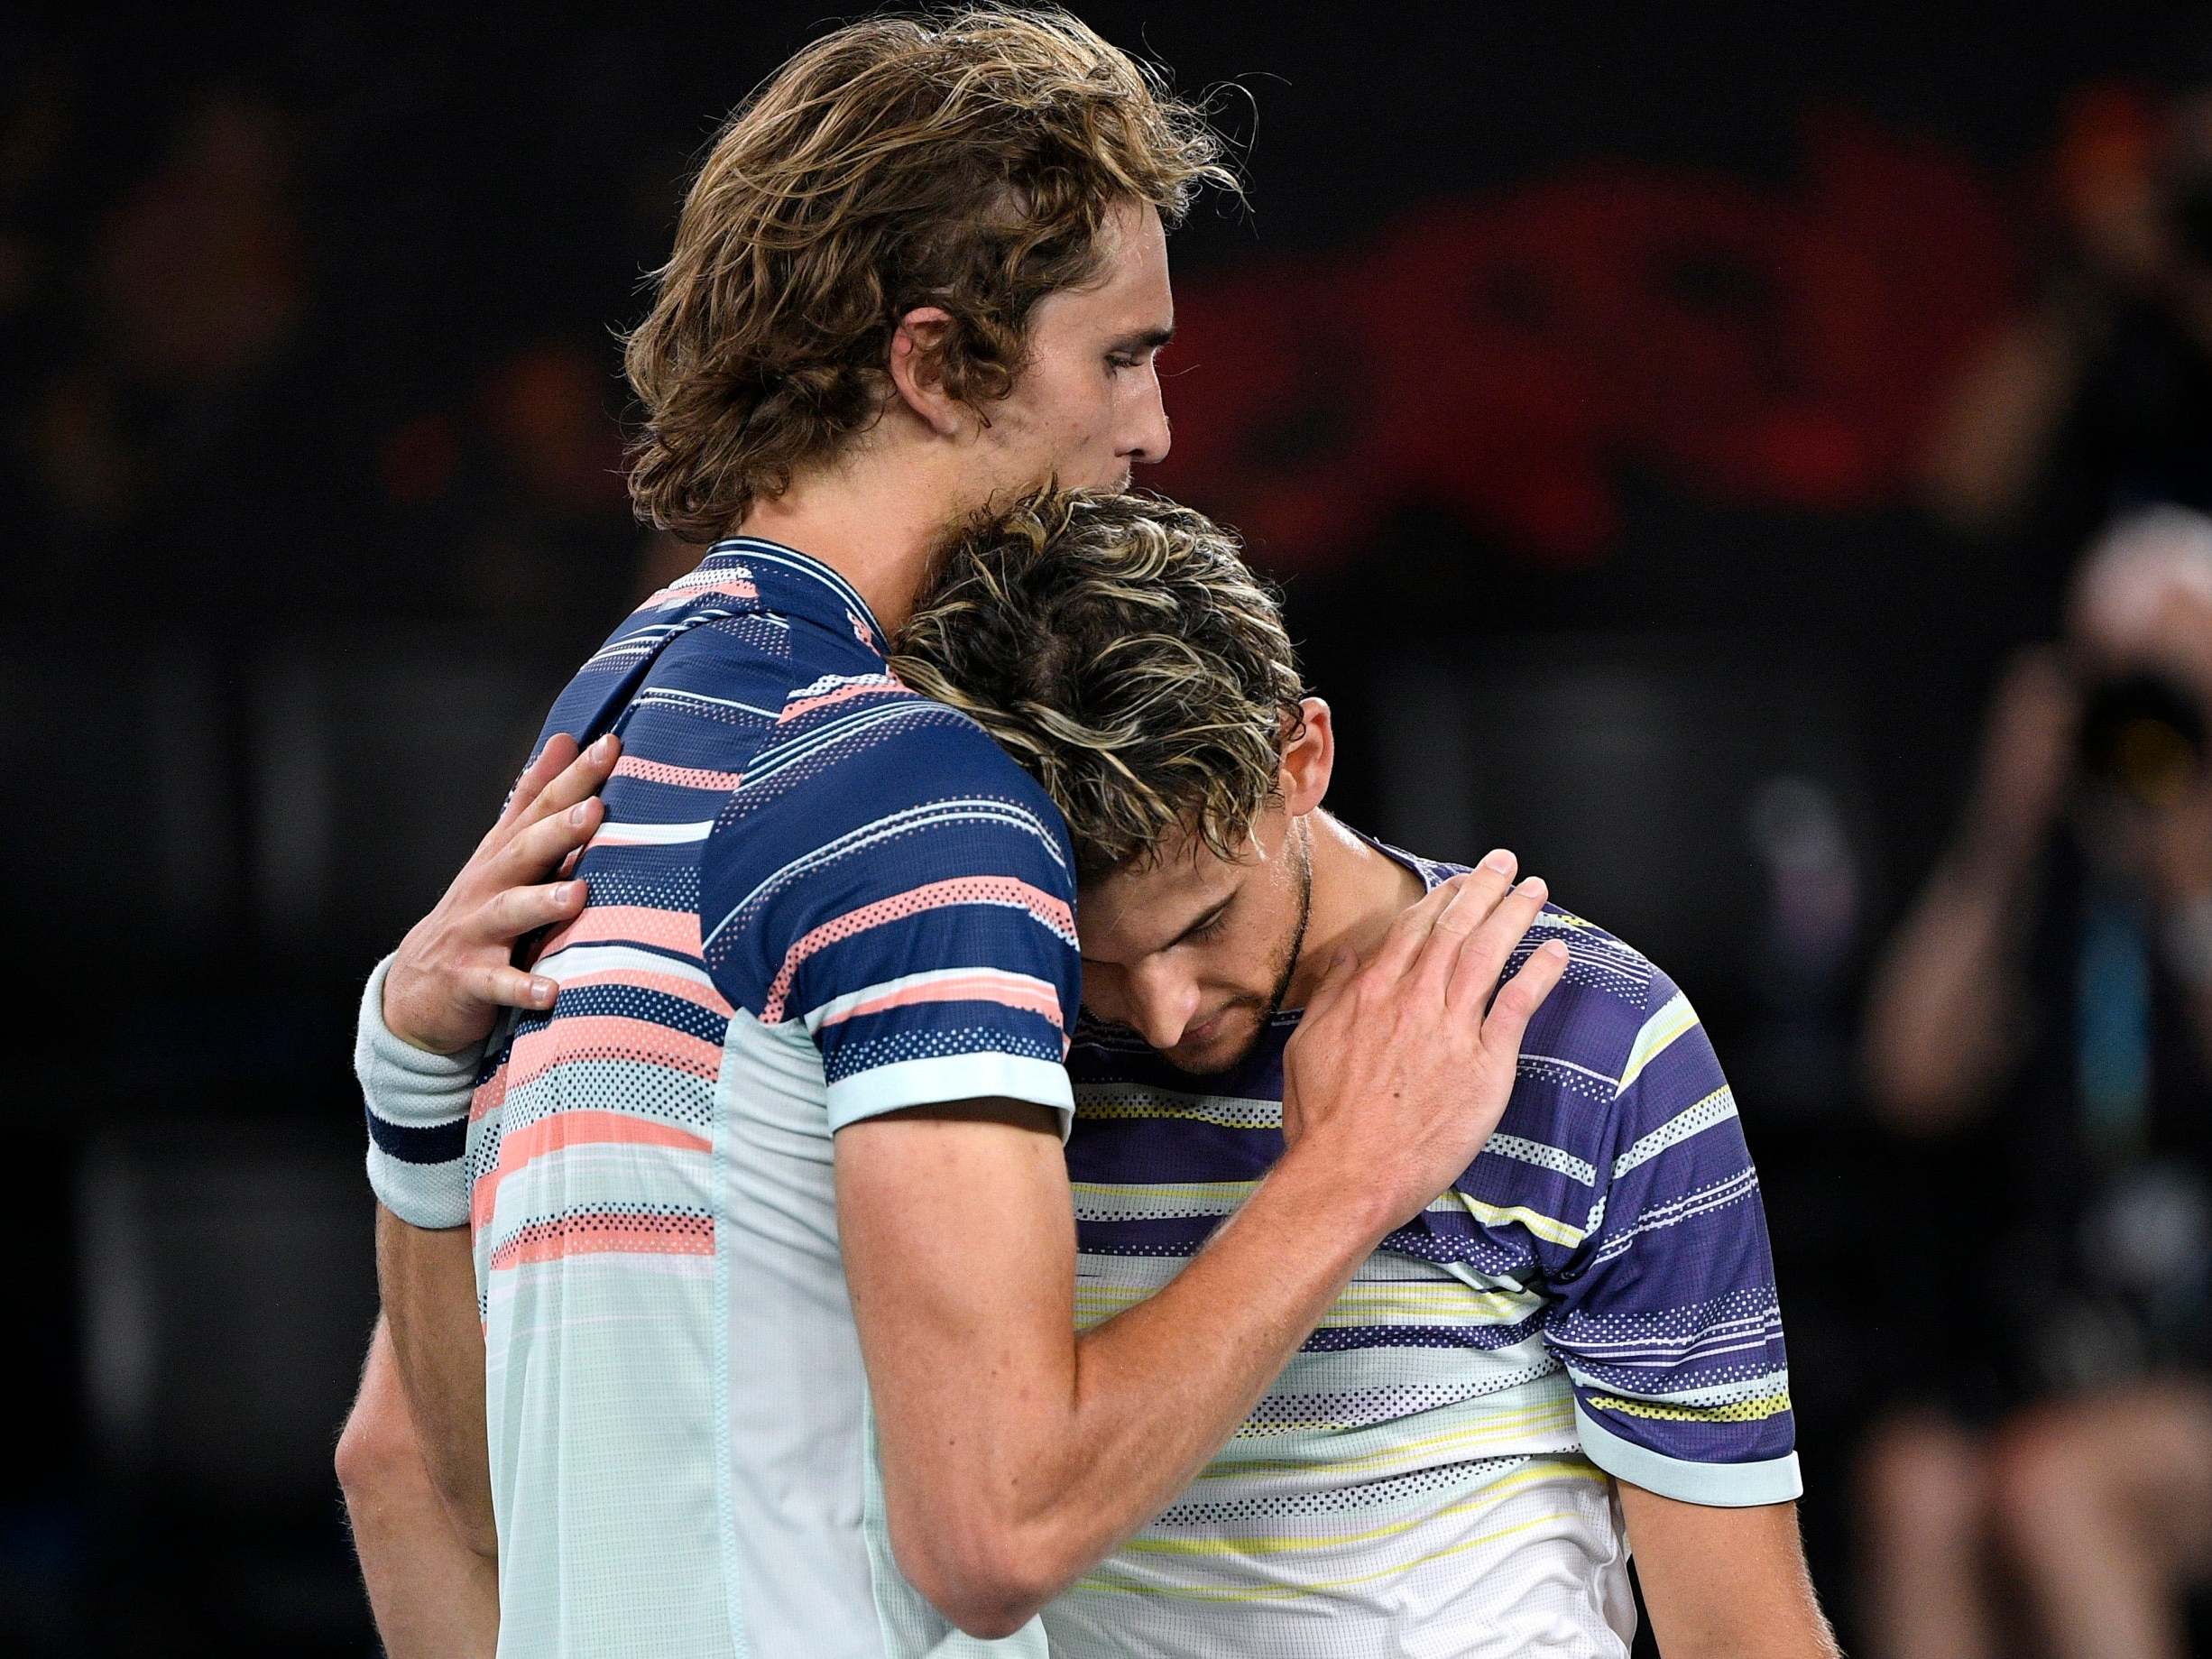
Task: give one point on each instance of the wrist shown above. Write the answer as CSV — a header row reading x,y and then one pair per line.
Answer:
x,y
418,1106
1311,1178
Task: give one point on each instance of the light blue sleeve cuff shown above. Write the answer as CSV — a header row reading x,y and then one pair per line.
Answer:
x,y
1720,1486
952,1077
418,1112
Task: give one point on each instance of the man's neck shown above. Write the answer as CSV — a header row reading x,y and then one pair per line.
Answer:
x,y
872,524
1357,893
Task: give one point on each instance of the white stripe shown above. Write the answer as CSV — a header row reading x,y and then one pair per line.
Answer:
x,y
846,1004
1699,1354
827,683
1664,1345
791,559
669,693
641,640
958,811
1777,1381
1543,1158
1717,1107
1734,1190
573,961
775,757
653,834
1609,1081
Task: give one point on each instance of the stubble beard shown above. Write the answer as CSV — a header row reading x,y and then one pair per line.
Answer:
x,y
1285,964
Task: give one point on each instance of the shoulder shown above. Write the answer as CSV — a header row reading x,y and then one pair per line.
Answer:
x,y
863,750
1616,1033
1608,996
866,799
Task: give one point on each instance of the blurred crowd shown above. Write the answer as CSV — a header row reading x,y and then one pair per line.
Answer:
x,y
219,411
204,356
2038,1031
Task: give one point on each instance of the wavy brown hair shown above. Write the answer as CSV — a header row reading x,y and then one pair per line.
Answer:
x,y
1117,646
962,159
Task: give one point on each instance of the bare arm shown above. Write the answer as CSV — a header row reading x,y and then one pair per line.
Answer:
x,y
1725,1583
1016,1452
1992,435
427,1280
413,1459
433,1596
1945,1011
441,994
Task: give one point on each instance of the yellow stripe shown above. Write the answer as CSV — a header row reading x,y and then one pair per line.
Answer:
x,y
1225,1197
1541,1470
1559,1414
1661,1030
1757,1409
1542,1226
1284,1592
1453,1302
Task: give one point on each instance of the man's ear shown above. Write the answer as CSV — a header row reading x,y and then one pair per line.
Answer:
x,y
1308,759
916,365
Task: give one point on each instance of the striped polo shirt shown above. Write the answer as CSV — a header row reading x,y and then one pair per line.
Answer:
x,y
1594,1298
815,898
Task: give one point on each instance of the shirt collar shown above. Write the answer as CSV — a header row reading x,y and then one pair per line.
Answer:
x,y
796,584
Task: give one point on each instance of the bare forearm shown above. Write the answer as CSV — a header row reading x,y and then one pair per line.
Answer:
x,y
433,1597
1722,1583
428,1283
999,1495
1160,1387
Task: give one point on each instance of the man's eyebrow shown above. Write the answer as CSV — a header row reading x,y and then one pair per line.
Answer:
x,y
1196,922
1143,340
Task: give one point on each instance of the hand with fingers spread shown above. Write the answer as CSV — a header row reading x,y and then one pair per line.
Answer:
x,y
455,968
1402,1065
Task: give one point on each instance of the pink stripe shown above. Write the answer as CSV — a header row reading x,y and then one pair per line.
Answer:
x,y
671,930
610,1036
676,595
975,988
563,1130
792,711
681,1235
490,1096
932,896
682,776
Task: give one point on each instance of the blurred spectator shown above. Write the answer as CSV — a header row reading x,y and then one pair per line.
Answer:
x,y
2042,1028
2100,397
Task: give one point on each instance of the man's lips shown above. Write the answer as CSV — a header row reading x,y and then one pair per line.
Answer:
x,y
1204,1033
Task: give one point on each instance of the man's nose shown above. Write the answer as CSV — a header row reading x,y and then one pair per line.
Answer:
x,y
1160,1006
1148,436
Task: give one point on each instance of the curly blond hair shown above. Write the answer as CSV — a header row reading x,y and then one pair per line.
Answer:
x,y
961,159
1117,646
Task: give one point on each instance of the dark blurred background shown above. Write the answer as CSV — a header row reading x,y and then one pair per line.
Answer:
x,y
1669,422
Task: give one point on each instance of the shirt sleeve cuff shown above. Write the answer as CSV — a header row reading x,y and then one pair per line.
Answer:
x,y
418,1111
952,1077
1721,1486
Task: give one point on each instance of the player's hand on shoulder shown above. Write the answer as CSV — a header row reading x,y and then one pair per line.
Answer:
x,y
1402,1065
454,970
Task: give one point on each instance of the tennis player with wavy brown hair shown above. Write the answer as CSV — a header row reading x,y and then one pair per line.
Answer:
x,y
761,1200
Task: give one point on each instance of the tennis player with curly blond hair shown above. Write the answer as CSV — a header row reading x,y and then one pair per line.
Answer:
x,y
749,1261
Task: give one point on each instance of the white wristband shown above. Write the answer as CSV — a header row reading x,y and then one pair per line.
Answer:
x,y
418,1111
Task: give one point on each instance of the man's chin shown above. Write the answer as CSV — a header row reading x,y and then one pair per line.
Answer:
x,y
1223,1052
